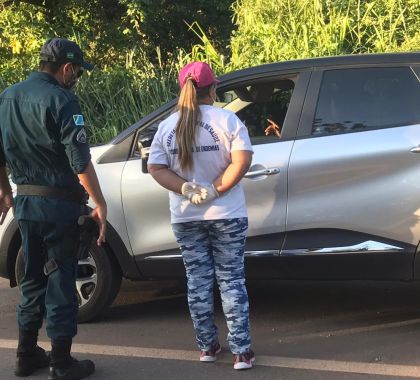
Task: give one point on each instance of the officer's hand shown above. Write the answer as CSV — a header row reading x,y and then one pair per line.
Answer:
x,y
99,214
6,203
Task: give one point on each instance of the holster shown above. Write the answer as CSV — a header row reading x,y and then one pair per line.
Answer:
x,y
89,231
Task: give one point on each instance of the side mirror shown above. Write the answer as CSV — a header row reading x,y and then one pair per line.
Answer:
x,y
143,144
144,154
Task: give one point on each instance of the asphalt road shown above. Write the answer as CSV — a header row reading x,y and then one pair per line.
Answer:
x,y
300,330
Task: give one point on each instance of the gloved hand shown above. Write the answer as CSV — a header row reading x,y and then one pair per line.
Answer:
x,y
198,193
208,193
194,192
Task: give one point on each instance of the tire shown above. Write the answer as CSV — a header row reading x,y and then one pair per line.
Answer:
x,y
98,281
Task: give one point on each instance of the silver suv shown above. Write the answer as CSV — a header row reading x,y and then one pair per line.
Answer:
x,y
335,196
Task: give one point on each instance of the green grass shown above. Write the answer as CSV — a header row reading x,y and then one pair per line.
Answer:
x,y
113,100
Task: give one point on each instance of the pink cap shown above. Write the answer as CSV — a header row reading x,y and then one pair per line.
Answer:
x,y
200,72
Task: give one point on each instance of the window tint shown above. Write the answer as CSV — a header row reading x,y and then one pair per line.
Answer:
x,y
358,99
255,116
255,103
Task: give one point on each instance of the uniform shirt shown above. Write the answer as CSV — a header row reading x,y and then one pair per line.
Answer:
x,y
43,140
220,132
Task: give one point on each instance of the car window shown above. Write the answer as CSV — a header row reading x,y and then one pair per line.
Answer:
x,y
258,103
359,99
145,135
253,104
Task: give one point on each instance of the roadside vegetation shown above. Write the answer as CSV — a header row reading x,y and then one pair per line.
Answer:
x,y
139,45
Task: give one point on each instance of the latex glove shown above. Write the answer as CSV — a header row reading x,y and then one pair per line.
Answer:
x,y
208,193
194,192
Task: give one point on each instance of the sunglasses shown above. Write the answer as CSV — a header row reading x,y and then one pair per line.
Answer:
x,y
79,73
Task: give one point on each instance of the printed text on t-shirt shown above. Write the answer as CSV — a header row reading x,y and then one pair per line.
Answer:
x,y
203,125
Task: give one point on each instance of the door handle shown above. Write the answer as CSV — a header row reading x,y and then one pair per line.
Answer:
x,y
258,173
416,149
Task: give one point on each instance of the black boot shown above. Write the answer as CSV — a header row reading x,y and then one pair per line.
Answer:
x,y
63,366
30,357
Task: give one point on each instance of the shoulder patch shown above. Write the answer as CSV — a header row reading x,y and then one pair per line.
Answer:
x,y
81,136
79,120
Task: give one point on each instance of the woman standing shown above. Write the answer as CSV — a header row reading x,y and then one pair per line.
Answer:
x,y
200,153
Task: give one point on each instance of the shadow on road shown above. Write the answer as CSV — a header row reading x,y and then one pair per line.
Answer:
x,y
290,301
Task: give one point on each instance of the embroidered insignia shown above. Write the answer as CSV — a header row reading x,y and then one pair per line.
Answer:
x,y
81,136
79,120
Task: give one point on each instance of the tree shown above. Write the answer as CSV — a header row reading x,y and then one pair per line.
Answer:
x,y
164,23
108,30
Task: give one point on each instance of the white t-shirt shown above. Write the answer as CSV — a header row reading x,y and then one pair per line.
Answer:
x,y
220,133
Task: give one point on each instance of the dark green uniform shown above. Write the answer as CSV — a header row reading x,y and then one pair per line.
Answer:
x,y
43,141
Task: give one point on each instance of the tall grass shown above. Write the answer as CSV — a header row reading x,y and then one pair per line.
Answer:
x,y
269,31
113,100
205,51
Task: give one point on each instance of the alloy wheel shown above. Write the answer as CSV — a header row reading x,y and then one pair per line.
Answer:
x,y
86,280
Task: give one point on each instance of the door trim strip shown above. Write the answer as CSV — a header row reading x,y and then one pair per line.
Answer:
x,y
367,246
370,246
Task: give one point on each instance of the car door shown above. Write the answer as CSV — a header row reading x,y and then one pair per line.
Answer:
x,y
146,204
265,184
146,210
353,205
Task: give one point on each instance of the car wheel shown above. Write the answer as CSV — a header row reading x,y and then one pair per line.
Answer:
x,y
98,281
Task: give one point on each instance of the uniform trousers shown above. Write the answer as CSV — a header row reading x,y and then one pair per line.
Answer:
x,y
52,296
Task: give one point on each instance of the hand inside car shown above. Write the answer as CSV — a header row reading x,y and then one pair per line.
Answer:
x,y
272,129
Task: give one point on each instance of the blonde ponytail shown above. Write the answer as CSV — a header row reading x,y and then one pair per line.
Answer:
x,y
186,127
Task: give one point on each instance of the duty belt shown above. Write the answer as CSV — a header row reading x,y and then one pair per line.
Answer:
x,y
53,192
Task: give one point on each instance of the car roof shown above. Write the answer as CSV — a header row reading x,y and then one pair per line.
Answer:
x,y
324,62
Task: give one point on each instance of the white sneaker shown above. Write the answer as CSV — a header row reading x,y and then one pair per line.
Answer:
x,y
210,356
244,361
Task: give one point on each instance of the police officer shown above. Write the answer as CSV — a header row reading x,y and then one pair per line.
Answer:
x,y
43,140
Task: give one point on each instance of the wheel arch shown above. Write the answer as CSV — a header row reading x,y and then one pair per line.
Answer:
x,y
123,257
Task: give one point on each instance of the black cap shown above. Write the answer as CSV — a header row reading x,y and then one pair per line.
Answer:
x,y
62,50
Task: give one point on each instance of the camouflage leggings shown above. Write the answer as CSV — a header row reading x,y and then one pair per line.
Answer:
x,y
215,248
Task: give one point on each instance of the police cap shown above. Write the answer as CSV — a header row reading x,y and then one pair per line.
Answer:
x,y
62,50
